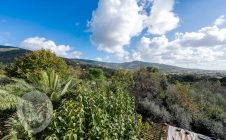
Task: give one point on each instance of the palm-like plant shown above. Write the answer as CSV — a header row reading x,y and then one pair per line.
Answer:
x,y
51,84
10,98
10,95
9,101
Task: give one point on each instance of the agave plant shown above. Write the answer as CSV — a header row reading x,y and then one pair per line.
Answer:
x,y
51,84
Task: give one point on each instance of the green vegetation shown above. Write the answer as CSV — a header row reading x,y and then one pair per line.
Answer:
x,y
83,109
95,113
94,103
51,84
199,106
34,63
95,74
2,69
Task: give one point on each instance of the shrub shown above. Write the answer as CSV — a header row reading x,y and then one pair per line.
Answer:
x,y
146,132
181,117
2,67
180,94
209,127
94,113
153,111
96,74
215,113
4,80
147,84
124,78
36,62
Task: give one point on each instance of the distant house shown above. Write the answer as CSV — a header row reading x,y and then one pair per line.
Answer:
x,y
174,133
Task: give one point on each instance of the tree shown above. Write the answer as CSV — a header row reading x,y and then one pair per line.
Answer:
x,y
147,84
96,74
179,94
123,78
35,62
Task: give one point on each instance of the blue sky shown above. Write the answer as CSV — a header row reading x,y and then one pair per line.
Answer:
x,y
119,31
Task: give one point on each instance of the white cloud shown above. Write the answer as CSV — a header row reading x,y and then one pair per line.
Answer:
x,y
162,19
136,56
113,25
115,22
219,21
205,48
37,43
99,59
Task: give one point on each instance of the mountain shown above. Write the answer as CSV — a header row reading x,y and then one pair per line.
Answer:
x,y
134,65
8,54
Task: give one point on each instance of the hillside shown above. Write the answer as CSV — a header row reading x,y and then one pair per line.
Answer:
x,y
8,54
135,65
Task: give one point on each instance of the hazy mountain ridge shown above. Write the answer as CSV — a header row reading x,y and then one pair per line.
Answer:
x,y
8,54
134,65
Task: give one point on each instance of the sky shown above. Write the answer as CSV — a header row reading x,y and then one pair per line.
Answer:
x,y
185,33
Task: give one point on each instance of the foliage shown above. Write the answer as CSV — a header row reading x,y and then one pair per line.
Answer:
x,y
35,62
187,104
8,101
10,94
10,98
96,74
147,84
181,117
16,130
153,111
76,72
4,80
94,103
2,69
123,78
51,84
93,113
146,132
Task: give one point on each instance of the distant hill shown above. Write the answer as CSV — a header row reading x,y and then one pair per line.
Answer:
x,y
8,54
134,65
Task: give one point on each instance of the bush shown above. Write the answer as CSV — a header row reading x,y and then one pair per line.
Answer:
x,y
94,113
4,80
124,78
181,117
216,113
209,127
96,74
35,62
179,94
153,111
147,84
2,67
